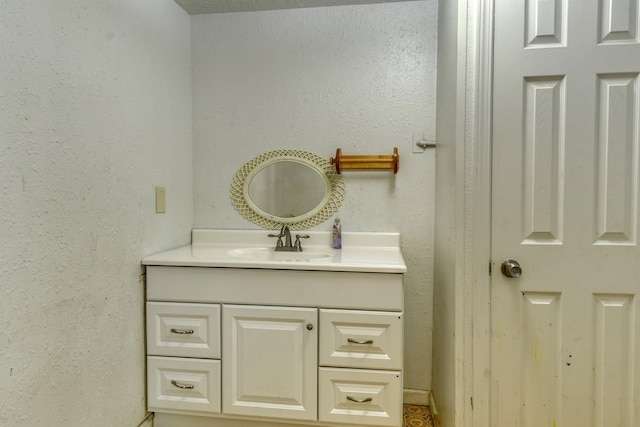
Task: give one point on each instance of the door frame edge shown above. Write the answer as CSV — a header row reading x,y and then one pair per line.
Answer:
x,y
477,238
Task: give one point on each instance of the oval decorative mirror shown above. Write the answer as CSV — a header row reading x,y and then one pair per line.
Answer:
x,y
292,187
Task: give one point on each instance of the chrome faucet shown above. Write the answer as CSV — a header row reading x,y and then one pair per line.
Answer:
x,y
288,246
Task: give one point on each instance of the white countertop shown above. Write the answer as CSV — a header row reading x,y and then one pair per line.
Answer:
x,y
361,252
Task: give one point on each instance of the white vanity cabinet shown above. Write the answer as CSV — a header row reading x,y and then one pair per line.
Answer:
x,y
240,345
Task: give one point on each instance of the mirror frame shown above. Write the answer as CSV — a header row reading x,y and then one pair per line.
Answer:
x,y
329,205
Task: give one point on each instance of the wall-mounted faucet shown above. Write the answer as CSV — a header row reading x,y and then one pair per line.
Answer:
x,y
287,245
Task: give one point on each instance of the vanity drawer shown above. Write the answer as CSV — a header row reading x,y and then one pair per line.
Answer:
x,y
183,384
361,339
183,330
358,396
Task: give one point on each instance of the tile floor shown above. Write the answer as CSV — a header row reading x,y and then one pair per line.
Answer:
x,y
417,416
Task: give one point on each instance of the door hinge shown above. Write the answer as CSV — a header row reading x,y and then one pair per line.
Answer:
x,y
489,267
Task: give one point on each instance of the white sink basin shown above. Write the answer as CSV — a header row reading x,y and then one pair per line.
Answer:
x,y
269,254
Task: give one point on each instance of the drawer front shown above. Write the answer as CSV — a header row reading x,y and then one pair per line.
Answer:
x,y
183,384
183,330
361,339
360,396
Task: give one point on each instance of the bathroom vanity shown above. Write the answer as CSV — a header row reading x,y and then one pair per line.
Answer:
x,y
240,335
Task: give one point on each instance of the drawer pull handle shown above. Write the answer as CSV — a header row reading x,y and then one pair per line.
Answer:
x,y
182,386
365,400
182,331
354,341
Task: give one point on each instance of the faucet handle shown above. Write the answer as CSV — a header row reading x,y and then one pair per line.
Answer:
x,y
297,244
279,236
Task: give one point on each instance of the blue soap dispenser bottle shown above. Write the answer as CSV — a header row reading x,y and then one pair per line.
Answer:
x,y
336,235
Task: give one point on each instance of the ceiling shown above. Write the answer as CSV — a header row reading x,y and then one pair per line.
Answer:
x,y
195,7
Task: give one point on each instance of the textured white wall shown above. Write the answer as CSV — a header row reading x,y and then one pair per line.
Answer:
x,y
95,110
357,77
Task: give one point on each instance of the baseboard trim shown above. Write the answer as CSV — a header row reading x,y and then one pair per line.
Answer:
x,y
434,410
409,397
416,397
148,421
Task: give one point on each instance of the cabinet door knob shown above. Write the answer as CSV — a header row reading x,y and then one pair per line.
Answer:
x,y
309,326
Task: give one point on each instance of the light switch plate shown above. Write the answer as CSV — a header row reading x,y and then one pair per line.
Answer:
x,y
161,200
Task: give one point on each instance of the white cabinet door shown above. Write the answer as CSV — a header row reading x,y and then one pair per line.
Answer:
x,y
270,361
566,334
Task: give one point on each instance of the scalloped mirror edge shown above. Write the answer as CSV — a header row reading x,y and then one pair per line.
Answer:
x,y
248,210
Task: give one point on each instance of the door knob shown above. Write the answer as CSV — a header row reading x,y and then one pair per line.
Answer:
x,y
511,268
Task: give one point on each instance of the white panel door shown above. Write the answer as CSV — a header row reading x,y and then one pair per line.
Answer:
x,y
566,334
270,361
